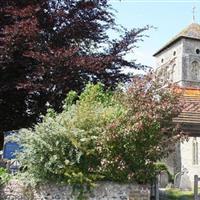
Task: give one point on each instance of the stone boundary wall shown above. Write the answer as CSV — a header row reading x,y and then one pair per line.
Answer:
x,y
163,195
104,191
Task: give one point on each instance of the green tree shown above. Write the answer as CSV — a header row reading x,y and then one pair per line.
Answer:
x,y
103,135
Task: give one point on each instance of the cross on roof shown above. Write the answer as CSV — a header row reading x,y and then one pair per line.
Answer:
x,y
193,11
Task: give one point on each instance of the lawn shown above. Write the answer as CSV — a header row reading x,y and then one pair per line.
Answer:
x,y
176,194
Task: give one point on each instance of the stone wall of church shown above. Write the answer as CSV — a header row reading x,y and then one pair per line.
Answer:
x,y
191,63
184,163
169,62
190,159
180,63
173,161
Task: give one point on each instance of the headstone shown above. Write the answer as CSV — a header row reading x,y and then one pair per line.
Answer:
x,y
185,183
177,180
163,179
196,183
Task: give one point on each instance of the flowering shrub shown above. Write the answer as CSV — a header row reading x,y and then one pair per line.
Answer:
x,y
103,135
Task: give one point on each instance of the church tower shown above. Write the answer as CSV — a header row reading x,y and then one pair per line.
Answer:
x,y
179,60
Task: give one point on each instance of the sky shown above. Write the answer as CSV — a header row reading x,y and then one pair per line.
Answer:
x,y
168,16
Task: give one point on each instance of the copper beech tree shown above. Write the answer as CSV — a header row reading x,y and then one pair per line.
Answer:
x,y
146,133
49,47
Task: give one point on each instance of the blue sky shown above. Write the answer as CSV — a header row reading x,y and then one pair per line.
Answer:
x,y
169,16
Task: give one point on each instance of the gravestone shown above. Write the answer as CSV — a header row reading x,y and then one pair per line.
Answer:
x,y
196,187
185,183
163,179
177,180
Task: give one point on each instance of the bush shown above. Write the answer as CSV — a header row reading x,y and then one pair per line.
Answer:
x,y
4,176
102,135
67,147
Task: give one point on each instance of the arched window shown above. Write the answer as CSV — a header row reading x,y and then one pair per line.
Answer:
x,y
195,70
195,152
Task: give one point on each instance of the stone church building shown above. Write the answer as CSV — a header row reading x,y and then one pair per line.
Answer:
x,y
179,62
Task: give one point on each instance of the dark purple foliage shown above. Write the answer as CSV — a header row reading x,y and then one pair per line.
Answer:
x,y
49,47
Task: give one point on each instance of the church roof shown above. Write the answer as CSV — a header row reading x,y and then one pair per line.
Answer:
x,y
189,118
192,32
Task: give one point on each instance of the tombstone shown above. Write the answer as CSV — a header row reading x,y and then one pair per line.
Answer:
x,y
177,180
163,179
9,147
196,181
185,183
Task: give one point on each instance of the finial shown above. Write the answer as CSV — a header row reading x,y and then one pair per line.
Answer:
x,y
193,11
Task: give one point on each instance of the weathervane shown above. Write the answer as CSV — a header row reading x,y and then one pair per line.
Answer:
x,y
193,11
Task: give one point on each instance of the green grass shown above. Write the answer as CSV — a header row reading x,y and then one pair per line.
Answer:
x,y
176,194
